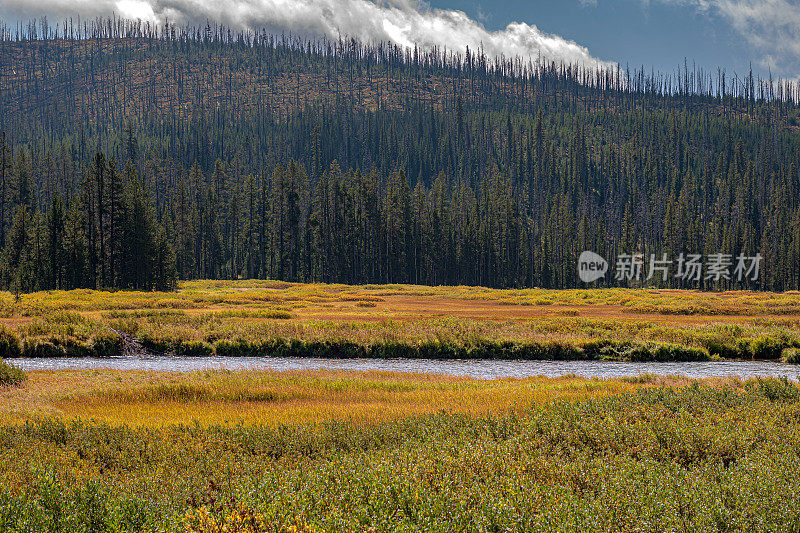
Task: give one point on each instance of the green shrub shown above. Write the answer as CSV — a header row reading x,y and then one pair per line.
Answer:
x,y
54,346
773,389
10,375
106,345
239,348
9,345
193,349
489,350
155,344
727,351
40,348
674,352
791,355
766,348
628,351
92,508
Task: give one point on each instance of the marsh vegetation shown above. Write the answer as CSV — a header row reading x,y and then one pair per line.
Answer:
x,y
649,453
270,318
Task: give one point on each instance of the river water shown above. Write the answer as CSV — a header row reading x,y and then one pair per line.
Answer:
x,y
477,369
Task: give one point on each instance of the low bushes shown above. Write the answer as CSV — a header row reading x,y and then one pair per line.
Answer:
x,y
10,346
628,351
791,356
187,348
193,349
668,352
724,350
773,389
110,344
10,375
761,347
767,347
40,347
156,344
101,345
556,351
691,458
105,345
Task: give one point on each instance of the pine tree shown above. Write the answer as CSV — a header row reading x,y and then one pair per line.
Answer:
x,y
56,239
19,257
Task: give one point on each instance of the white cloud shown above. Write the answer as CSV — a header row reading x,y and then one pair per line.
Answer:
x,y
406,22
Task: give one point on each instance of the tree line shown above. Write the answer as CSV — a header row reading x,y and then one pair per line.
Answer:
x,y
105,235
254,155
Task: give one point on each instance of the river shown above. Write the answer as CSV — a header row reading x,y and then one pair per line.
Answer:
x,y
478,369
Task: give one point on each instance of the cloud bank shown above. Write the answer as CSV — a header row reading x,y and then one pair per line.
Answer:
x,y
405,22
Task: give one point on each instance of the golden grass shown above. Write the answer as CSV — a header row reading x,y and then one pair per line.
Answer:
x,y
202,313
147,398
335,301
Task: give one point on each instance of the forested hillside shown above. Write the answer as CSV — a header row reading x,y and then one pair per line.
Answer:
x,y
130,155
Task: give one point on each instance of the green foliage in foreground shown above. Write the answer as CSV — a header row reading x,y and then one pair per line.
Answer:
x,y
662,459
10,375
791,355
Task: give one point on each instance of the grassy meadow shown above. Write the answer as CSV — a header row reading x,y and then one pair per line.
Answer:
x,y
254,451
256,317
272,398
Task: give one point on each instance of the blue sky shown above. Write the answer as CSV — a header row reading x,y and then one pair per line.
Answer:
x,y
654,34
620,30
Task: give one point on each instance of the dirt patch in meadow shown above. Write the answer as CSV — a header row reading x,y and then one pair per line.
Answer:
x,y
15,321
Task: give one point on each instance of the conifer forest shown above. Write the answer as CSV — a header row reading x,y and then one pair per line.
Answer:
x,y
133,156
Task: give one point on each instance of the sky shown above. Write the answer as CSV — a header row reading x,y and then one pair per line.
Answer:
x,y
660,34
656,34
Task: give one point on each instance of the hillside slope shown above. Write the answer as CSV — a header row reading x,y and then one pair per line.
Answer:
x,y
269,156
